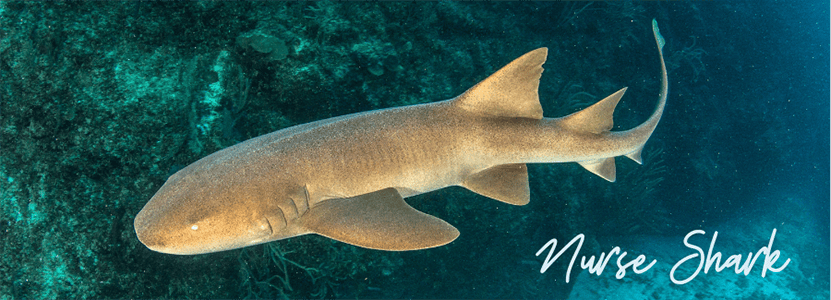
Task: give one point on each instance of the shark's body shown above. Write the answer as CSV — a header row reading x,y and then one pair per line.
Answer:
x,y
346,177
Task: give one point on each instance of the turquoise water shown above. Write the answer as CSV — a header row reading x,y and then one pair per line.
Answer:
x,y
101,102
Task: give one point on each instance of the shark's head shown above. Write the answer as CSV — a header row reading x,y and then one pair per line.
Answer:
x,y
194,213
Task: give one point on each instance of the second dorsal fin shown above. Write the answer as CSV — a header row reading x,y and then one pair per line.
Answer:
x,y
596,118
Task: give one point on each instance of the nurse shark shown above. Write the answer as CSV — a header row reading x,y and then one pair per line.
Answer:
x,y
346,177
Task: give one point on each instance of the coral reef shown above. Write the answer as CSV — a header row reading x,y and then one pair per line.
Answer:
x,y
101,101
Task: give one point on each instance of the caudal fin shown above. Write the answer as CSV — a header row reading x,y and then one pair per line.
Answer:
x,y
597,119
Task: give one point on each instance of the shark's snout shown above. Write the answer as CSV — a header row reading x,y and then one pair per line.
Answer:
x,y
186,230
151,241
145,232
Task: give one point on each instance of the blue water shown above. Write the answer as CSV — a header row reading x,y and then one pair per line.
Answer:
x,y
101,102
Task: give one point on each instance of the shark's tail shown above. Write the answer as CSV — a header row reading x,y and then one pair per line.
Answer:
x,y
598,119
512,92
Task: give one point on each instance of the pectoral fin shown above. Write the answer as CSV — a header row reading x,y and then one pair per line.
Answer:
x,y
378,220
506,183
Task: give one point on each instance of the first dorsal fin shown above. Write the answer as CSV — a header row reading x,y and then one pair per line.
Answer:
x,y
510,92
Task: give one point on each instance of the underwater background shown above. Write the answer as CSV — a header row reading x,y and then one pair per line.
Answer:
x,y
101,101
